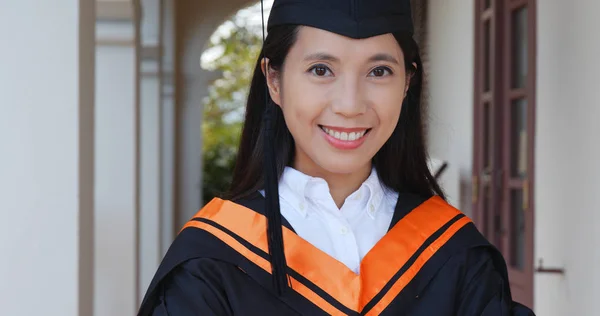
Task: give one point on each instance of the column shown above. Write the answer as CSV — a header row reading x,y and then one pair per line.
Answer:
x,y
150,137
196,21
47,165
117,155
167,126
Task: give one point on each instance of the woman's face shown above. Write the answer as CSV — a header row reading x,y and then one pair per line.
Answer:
x,y
341,98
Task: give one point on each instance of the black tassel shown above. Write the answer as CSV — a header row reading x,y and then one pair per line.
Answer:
x,y
274,228
271,186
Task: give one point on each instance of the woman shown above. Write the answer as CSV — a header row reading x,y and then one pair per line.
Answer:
x,y
333,210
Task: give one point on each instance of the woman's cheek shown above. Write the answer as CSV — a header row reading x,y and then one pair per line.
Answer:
x,y
389,122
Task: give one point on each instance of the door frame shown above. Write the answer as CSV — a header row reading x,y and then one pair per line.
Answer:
x,y
492,181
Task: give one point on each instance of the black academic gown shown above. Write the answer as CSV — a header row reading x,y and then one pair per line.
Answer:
x,y
432,261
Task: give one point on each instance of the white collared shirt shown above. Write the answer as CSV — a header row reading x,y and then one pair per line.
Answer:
x,y
347,234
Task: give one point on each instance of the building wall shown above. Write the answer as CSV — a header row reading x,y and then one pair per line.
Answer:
x,y
567,149
47,163
450,32
567,156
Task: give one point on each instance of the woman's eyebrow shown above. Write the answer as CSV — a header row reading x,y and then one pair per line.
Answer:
x,y
383,57
331,58
321,56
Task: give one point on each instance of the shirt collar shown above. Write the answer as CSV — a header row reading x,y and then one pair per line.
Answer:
x,y
292,189
297,188
374,193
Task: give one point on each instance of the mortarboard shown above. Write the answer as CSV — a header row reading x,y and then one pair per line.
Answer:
x,y
352,18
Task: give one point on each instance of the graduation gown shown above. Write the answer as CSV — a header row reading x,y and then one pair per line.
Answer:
x,y
432,261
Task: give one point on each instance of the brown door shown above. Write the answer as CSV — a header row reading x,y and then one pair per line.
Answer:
x,y
504,134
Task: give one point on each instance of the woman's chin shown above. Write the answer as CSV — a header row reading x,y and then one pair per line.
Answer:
x,y
343,166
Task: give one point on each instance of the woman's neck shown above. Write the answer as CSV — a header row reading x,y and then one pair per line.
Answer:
x,y
341,185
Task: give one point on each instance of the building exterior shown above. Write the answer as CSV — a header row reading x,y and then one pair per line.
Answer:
x,y
101,104
514,101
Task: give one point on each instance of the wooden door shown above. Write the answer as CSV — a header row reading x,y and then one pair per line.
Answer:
x,y
504,117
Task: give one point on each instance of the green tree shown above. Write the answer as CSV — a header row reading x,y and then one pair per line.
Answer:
x,y
224,107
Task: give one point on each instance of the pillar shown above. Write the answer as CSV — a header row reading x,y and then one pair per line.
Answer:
x,y
196,21
47,165
167,189
150,137
117,159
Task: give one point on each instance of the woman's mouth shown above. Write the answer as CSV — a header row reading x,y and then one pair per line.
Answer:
x,y
345,138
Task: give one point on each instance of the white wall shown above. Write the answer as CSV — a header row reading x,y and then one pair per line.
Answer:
x,y
567,155
117,169
46,160
450,127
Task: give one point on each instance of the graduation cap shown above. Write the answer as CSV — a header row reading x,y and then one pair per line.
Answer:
x,y
351,18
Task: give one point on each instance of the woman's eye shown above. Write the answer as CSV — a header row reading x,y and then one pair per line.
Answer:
x,y
381,71
320,71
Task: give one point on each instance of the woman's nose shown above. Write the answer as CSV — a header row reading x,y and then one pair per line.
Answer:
x,y
349,100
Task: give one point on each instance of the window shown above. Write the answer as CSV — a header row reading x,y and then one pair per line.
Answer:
x,y
504,112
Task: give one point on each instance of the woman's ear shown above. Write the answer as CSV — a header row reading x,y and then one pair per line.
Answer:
x,y
273,81
409,76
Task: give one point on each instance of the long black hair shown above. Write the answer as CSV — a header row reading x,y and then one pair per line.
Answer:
x,y
401,162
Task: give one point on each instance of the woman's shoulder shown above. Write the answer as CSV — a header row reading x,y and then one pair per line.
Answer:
x,y
484,285
479,269
193,287
197,262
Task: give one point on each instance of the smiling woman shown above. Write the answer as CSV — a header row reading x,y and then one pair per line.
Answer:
x,y
332,209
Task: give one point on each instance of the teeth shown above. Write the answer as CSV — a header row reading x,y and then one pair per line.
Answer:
x,y
343,135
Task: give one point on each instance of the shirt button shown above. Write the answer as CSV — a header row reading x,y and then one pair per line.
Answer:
x,y
371,208
301,206
344,230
